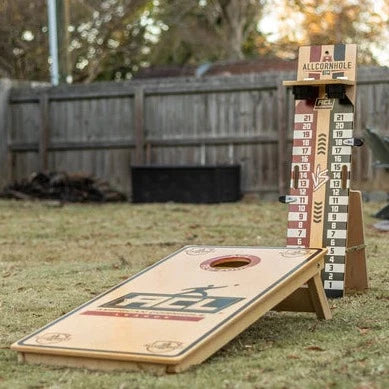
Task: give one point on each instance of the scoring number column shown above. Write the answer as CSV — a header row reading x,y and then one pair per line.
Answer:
x,y
336,224
300,188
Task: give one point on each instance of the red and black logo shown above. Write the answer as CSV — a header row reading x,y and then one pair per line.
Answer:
x,y
322,103
166,306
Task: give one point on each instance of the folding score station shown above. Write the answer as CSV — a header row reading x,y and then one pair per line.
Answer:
x,y
184,308
323,211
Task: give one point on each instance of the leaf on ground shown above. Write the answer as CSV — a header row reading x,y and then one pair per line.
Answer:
x,y
382,297
292,356
314,348
365,386
363,330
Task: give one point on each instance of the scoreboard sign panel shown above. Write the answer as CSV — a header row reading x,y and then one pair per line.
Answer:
x,y
321,157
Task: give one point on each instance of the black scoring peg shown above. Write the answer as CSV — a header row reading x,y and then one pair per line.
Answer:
x,y
335,91
287,199
305,92
356,142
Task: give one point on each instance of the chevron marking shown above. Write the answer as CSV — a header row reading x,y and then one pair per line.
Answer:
x,y
317,211
322,144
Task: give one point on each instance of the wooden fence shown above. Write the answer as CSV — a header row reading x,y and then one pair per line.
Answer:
x,y
104,128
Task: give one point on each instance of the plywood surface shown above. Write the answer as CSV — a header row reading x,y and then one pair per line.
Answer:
x,y
164,313
318,82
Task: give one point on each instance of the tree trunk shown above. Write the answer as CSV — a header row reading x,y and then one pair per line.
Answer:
x,y
235,14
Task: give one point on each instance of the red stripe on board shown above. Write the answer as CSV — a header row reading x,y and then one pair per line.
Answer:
x,y
304,106
315,76
299,126
295,224
315,54
142,315
299,142
293,207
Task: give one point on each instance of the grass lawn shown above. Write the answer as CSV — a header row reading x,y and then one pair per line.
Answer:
x,y
54,259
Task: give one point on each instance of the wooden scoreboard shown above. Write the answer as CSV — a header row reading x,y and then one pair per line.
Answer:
x,y
184,308
321,158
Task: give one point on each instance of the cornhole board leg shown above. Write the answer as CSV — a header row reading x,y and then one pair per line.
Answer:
x,y
356,279
309,298
180,311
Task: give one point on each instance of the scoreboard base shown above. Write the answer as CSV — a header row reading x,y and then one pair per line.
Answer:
x,y
334,293
355,274
181,310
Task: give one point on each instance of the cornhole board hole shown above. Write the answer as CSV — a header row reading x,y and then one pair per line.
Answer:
x,y
181,310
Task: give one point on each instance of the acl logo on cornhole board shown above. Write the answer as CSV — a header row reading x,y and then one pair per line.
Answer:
x,y
191,300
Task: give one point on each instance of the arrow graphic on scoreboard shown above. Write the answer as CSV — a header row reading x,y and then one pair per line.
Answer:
x,y
322,144
320,178
317,211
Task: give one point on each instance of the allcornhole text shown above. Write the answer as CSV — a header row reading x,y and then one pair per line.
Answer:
x,y
327,65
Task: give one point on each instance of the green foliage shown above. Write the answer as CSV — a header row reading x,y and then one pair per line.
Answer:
x,y
54,259
23,40
330,22
107,39
113,39
211,30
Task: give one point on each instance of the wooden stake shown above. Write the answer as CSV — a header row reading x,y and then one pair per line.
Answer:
x,y
355,270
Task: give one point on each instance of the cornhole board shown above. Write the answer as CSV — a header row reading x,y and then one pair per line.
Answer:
x,y
181,310
319,201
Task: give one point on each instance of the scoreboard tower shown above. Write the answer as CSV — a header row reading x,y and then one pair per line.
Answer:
x,y
319,197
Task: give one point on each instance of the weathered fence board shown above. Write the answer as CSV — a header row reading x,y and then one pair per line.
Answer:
x,y
103,128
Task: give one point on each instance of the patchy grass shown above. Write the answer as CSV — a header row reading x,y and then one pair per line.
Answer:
x,y
54,259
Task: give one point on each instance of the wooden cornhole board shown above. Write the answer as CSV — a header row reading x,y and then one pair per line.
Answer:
x,y
184,308
181,310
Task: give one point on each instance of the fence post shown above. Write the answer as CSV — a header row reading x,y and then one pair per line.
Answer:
x,y
139,126
44,134
282,129
5,87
